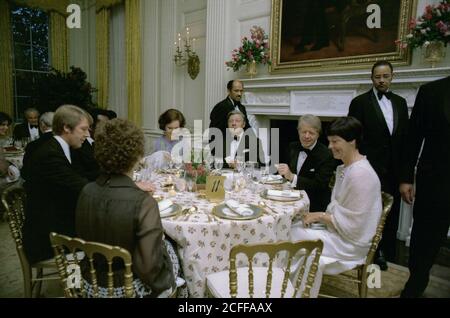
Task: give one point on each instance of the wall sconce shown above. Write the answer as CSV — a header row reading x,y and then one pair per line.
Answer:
x,y
188,56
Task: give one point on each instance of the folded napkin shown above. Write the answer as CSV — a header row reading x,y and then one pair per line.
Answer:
x,y
241,209
272,178
284,194
164,205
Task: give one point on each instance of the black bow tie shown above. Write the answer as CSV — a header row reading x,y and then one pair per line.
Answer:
x,y
305,150
387,94
236,138
34,126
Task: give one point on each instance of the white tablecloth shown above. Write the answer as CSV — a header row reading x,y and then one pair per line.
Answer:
x,y
204,242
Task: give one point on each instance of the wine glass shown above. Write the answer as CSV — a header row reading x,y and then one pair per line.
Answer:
x,y
191,179
180,184
240,184
240,163
218,164
177,162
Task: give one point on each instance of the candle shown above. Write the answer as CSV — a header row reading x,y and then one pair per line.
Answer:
x,y
193,45
187,36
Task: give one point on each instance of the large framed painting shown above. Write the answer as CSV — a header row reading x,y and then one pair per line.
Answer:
x,y
311,35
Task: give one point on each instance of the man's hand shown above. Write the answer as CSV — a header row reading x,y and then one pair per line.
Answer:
x,y
407,192
283,169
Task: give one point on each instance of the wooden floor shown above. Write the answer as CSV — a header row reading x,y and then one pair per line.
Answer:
x,y
11,284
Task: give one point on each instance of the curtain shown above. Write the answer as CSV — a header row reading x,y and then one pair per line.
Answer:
x,y
100,4
6,80
117,58
102,45
133,43
58,41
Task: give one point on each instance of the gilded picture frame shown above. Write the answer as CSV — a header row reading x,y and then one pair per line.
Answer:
x,y
319,35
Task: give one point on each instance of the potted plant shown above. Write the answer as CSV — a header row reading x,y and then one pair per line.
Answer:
x,y
252,52
57,88
431,32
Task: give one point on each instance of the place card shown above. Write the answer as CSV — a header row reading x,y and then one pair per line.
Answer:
x,y
215,191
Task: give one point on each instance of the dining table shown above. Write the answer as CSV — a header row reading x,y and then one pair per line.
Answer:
x,y
204,237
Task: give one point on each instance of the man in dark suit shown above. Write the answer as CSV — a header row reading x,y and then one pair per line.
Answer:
x,y
85,162
241,143
220,112
53,185
384,116
45,126
312,162
430,125
29,128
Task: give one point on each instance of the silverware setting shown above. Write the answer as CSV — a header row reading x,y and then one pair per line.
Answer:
x,y
267,208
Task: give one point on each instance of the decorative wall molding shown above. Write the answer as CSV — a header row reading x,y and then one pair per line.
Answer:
x,y
417,76
321,103
215,48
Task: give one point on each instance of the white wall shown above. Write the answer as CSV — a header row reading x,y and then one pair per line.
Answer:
x,y
164,84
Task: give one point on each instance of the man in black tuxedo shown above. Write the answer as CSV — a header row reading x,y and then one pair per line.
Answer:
x,y
29,128
220,112
85,162
45,126
241,143
384,116
53,185
429,124
312,162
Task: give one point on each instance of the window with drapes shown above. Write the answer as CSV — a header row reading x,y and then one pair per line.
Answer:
x,y
30,37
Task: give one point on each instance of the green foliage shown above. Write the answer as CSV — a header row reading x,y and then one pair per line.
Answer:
x,y
256,49
58,88
433,25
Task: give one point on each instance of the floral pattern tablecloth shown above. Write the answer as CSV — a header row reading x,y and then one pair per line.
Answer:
x,y
204,241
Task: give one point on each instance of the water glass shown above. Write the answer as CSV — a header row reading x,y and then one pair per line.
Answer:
x,y
218,164
180,184
240,163
191,179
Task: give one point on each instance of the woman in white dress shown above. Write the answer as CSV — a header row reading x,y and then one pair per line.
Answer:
x,y
355,209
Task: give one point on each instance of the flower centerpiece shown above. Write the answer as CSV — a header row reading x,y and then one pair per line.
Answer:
x,y
198,167
253,51
431,31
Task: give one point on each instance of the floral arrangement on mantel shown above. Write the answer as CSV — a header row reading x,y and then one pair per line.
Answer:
x,y
252,50
433,25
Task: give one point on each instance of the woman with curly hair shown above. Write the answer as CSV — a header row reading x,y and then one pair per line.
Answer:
x,y
114,210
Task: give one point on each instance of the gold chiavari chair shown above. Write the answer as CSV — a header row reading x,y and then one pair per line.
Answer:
x,y
69,268
13,199
271,281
